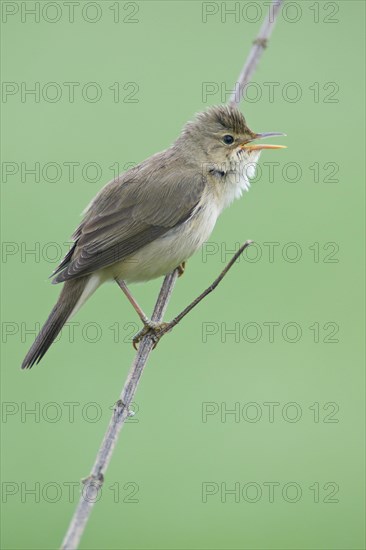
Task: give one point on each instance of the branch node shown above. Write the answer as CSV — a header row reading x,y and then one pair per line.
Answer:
x,y
263,42
96,480
120,407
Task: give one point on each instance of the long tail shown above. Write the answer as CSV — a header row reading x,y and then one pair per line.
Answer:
x,y
68,299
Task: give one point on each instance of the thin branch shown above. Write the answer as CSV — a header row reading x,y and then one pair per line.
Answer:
x,y
93,483
259,45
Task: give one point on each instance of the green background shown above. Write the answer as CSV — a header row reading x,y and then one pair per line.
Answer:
x,y
169,452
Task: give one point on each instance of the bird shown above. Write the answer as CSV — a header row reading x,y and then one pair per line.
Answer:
x,y
150,219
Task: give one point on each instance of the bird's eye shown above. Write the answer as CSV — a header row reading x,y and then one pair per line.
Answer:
x,y
228,139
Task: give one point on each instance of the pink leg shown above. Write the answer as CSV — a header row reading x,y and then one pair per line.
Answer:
x,y
122,285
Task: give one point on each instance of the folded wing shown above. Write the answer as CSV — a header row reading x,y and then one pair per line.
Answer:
x,y
129,213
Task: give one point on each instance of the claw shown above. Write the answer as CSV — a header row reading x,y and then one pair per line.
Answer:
x,y
156,330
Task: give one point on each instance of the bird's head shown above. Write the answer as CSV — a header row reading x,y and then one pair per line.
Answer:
x,y
220,137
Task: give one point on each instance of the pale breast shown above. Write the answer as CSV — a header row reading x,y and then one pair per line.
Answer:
x,y
167,252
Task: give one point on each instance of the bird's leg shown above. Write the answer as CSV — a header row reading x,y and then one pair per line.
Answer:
x,y
122,285
149,325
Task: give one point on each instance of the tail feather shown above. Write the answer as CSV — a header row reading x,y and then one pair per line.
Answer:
x,y
70,295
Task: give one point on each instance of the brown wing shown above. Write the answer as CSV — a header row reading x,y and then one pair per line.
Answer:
x,y
129,213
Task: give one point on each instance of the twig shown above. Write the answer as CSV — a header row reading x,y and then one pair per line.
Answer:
x,y
259,45
186,310
94,482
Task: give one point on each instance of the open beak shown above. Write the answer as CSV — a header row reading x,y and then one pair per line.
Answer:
x,y
249,146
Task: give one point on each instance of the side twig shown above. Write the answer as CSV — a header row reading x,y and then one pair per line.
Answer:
x,y
93,483
179,317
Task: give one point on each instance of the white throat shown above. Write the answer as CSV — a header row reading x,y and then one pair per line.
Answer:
x,y
241,169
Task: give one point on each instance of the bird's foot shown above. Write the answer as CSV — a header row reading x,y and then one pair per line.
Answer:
x,y
156,331
181,269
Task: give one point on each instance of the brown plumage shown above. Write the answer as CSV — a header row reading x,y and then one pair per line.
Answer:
x,y
150,219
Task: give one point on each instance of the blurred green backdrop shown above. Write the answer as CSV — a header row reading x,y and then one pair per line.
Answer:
x,y
279,343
